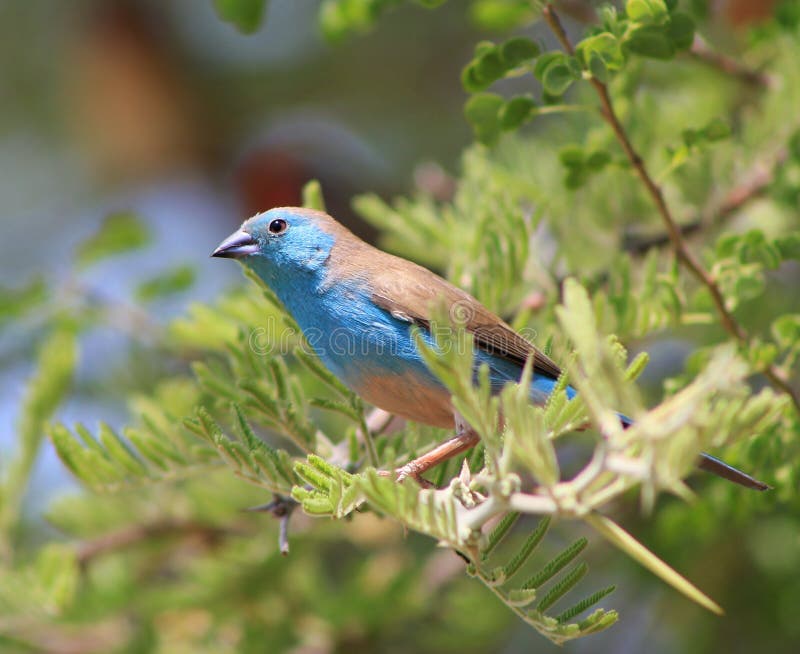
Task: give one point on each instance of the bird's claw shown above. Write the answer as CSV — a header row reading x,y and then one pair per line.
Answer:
x,y
405,472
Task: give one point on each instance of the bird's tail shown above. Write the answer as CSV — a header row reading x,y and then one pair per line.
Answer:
x,y
707,462
713,465
722,469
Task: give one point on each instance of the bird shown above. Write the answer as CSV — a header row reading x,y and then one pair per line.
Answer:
x,y
360,307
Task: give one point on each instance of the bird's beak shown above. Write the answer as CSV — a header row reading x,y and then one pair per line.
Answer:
x,y
237,245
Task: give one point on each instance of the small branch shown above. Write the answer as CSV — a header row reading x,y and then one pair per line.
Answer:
x,y
557,28
536,504
563,108
481,514
122,538
703,53
369,443
682,252
579,10
754,185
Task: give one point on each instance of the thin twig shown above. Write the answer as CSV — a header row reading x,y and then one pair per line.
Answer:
x,y
703,53
122,538
753,186
682,251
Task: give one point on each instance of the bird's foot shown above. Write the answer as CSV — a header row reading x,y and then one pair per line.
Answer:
x,y
406,472
464,440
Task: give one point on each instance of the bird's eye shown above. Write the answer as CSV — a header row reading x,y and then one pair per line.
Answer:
x,y
278,226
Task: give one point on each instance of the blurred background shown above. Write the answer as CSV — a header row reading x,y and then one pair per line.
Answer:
x,y
163,110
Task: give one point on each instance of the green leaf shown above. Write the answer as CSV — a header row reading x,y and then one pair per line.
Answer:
x,y
544,60
312,196
245,15
584,604
572,156
598,68
646,11
493,62
57,571
557,564
490,66
499,532
580,164
528,547
16,302
559,74
598,160
501,15
604,46
516,111
120,232
514,51
563,587
118,451
470,80
67,448
482,47
650,41
482,112
786,330
338,18
680,30
56,361
789,246
716,130
171,282
521,597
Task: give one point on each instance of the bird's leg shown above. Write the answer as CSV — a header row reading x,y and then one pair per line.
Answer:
x,y
464,439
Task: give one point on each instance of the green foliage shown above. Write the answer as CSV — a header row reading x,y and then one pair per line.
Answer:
x,y
437,513
245,15
647,28
47,388
741,262
120,232
173,281
338,18
493,62
534,229
581,164
15,303
502,15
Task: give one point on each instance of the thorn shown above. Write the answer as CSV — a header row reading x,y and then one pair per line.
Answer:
x,y
283,533
262,508
280,507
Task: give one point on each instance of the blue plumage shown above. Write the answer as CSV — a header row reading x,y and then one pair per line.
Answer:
x,y
358,306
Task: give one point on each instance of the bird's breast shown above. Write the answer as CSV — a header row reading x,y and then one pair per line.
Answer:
x,y
409,395
373,353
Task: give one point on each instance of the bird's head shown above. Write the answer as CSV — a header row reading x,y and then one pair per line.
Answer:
x,y
282,240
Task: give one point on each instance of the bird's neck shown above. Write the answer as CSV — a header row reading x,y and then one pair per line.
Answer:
x,y
295,288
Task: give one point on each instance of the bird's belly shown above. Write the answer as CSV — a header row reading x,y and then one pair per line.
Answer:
x,y
392,379
407,395
376,357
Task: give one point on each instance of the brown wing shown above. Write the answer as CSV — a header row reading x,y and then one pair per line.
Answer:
x,y
410,294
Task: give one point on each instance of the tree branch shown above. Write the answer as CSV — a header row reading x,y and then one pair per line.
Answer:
x,y
122,538
726,65
752,186
682,251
